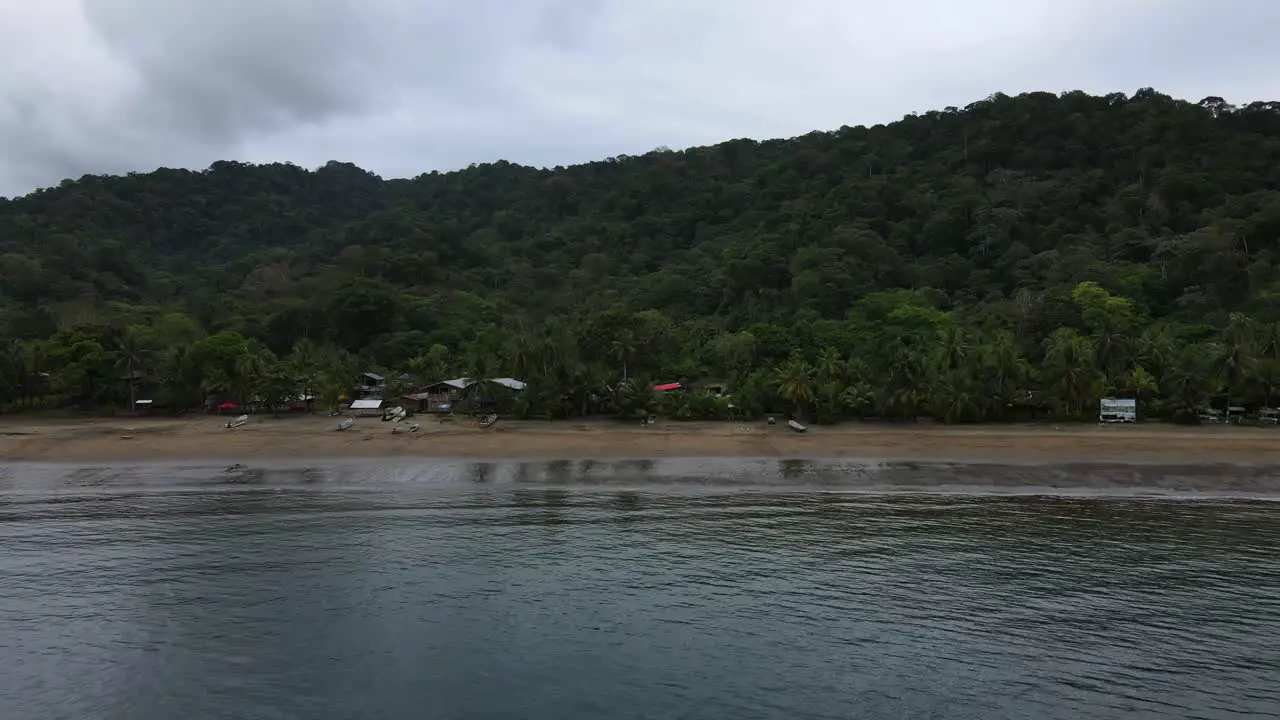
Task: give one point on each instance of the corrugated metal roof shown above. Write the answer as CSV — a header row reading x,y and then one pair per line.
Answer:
x,y
462,383
667,386
374,376
366,404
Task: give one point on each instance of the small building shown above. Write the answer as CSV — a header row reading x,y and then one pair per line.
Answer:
x,y
438,397
1117,410
301,403
367,407
421,402
1234,414
668,387
370,385
443,396
492,394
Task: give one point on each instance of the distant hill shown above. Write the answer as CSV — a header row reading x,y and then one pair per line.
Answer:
x,y
984,220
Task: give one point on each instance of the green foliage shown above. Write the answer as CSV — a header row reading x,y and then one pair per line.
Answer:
x,y
1024,254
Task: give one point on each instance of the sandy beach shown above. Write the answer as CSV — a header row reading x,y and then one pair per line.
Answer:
x,y
200,438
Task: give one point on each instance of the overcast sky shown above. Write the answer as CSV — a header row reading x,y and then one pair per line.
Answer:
x,y
405,86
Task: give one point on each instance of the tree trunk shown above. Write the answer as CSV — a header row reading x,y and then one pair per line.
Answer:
x,y
133,390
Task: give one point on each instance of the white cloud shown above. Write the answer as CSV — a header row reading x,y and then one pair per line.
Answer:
x,y
401,87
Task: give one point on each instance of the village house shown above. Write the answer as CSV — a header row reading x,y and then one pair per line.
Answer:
x,y
370,385
366,407
444,396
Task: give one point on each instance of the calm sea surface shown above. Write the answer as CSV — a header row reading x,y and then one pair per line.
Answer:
x,y
683,589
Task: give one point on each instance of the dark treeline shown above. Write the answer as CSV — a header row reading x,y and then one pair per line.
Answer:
x,y
1035,251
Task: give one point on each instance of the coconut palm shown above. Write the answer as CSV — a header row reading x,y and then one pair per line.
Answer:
x,y
1069,367
796,384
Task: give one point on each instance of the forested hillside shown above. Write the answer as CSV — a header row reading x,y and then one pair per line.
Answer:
x,y
1035,250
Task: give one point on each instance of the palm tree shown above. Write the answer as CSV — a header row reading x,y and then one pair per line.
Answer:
x,y
12,371
1142,384
305,355
35,357
305,358
1268,341
1069,365
954,347
481,365
1236,356
831,367
1006,370
215,382
1111,348
1155,349
909,373
1185,380
250,369
131,360
623,349
431,366
795,380
857,398
955,397
528,356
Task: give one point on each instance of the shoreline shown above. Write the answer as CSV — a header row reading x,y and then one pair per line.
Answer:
x,y
293,438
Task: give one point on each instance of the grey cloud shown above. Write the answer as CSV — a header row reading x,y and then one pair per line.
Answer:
x,y
1225,49
219,69
406,86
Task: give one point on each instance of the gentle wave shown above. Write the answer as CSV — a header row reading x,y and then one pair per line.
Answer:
x,y
635,590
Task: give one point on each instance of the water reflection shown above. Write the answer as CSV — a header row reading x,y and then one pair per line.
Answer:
x,y
482,472
634,589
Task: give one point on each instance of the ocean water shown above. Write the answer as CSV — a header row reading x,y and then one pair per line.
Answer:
x,y
639,589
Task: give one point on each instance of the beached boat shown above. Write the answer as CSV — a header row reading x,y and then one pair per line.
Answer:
x,y
796,426
238,421
488,420
345,424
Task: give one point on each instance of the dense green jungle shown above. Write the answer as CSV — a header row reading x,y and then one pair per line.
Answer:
x,y
1019,257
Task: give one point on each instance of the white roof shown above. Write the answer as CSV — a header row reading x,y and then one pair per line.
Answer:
x,y
461,383
366,404
145,402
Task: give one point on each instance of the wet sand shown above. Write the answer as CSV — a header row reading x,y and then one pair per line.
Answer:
x,y
314,436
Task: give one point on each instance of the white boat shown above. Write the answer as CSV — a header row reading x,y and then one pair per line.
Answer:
x,y
796,426
488,420
238,421
346,424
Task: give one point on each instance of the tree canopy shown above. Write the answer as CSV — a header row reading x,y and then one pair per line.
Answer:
x,y
961,263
